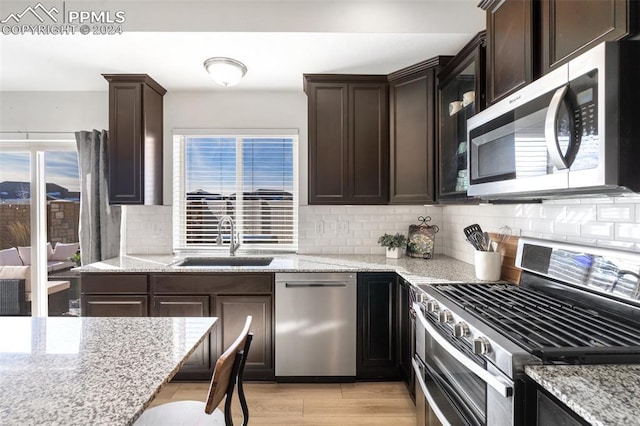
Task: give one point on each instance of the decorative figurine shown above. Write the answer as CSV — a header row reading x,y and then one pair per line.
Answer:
x,y
422,238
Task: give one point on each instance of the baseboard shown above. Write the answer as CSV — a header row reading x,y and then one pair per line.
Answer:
x,y
315,379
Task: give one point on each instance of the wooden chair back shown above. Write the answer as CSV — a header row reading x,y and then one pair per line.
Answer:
x,y
229,366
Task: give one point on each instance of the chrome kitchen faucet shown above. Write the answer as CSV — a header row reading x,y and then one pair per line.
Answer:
x,y
233,246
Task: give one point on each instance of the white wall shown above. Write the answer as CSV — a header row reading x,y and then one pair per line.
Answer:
x,y
53,111
235,110
72,111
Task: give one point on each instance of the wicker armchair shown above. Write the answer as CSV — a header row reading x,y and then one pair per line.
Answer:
x,y
12,297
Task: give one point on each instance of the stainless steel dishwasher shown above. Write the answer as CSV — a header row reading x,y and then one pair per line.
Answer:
x,y
315,326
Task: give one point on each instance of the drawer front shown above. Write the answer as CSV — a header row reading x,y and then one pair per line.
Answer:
x,y
113,283
114,306
212,283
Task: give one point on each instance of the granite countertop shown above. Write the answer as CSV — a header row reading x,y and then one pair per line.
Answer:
x,y
440,269
89,371
601,394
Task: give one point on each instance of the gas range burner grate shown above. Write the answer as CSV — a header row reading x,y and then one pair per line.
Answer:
x,y
549,328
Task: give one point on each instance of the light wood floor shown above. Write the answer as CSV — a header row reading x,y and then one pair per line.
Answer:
x,y
291,404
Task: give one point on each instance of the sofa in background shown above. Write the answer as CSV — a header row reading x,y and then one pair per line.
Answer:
x,y
15,279
57,258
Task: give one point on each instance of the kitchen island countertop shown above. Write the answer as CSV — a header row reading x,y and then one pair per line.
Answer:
x,y
603,395
440,269
89,371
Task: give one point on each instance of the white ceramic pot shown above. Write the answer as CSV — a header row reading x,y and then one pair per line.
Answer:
x,y
394,253
488,265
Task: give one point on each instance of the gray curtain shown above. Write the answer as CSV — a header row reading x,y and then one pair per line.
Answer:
x,y
99,229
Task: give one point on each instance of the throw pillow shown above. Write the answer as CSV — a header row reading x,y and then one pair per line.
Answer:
x,y
10,256
25,255
64,251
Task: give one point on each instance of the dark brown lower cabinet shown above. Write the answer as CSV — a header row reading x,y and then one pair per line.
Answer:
x,y
233,311
546,409
377,327
228,296
114,295
200,363
406,336
114,306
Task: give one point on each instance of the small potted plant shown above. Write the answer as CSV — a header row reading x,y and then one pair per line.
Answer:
x,y
76,259
395,244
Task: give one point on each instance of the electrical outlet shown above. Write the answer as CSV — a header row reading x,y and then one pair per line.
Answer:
x,y
320,227
342,227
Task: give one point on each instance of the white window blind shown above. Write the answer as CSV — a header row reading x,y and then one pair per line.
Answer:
x,y
250,177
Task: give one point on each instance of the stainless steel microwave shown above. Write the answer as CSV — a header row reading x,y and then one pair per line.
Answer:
x,y
574,131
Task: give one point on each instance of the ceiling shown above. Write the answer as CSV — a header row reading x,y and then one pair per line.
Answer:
x,y
275,60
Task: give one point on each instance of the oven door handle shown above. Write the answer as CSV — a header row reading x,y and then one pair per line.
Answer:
x,y
551,136
496,382
425,390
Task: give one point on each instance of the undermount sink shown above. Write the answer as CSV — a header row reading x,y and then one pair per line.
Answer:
x,y
224,261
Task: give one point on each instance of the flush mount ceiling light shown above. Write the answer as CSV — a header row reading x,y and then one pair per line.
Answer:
x,y
225,71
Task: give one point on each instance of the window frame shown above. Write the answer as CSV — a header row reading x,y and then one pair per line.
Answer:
x,y
179,188
36,144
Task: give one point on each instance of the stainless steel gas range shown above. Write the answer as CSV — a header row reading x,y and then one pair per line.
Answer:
x,y
574,305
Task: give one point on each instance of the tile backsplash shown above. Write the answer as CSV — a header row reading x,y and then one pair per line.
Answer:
x,y
146,230
612,222
606,222
356,229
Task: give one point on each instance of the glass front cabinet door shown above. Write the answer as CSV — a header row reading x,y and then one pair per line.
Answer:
x,y
461,95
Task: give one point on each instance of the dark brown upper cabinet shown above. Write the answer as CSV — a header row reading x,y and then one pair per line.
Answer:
x,y
510,37
529,38
570,28
348,139
461,94
413,130
135,139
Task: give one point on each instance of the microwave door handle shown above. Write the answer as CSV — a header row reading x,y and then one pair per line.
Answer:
x,y
495,382
551,136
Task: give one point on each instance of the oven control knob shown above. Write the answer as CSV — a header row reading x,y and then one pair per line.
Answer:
x,y
461,329
481,346
445,316
432,306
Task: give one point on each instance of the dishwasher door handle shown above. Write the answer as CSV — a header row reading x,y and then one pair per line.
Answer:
x,y
302,284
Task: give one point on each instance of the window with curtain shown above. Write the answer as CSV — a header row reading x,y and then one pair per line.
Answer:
x,y
249,177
